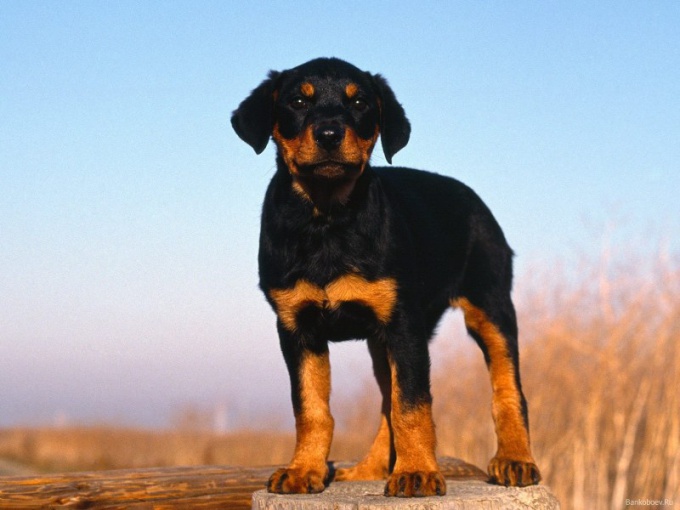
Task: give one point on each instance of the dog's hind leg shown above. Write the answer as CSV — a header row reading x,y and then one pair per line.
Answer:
x,y
494,327
379,460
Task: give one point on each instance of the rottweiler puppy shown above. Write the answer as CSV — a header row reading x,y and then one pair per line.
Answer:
x,y
352,251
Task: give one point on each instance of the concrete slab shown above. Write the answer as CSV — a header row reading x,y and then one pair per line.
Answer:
x,y
461,495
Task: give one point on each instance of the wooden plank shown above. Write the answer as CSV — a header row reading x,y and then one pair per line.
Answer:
x,y
203,487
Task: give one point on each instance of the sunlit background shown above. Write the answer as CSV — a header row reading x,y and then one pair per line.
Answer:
x,y
129,210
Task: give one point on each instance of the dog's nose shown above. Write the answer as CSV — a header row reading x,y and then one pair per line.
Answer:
x,y
329,136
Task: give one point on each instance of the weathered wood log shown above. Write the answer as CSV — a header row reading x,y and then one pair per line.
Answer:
x,y
203,487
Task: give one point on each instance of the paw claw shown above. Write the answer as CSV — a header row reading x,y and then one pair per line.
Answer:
x,y
416,484
296,481
513,473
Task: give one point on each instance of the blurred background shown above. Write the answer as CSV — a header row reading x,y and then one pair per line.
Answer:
x,y
129,218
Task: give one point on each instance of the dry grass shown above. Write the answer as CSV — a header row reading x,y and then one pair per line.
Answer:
x,y
93,448
601,370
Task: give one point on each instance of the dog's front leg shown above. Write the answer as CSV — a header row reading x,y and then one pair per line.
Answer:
x,y
416,472
310,377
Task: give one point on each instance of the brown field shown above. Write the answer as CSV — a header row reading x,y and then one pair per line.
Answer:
x,y
601,371
94,448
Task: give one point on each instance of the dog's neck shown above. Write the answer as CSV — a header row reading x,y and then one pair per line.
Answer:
x,y
326,194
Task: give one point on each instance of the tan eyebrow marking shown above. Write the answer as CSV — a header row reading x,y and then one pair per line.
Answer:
x,y
351,90
307,89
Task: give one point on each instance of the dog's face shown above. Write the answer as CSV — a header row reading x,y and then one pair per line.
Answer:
x,y
325,117
325,123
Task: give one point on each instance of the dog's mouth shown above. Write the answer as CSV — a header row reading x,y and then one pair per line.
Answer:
x,y
330,169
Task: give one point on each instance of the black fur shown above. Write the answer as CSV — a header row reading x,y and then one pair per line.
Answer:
x,y
431,234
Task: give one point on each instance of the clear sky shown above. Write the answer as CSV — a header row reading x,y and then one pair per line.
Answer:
x,y
129,210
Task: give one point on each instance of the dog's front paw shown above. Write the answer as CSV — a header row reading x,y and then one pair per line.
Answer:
x,y
417,484
296,481
513,473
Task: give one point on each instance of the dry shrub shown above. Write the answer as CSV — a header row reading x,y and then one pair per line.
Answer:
x,y
91,448
601,371
600,368
95,448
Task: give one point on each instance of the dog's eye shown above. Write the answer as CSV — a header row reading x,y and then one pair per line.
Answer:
x,y
298,103
359,105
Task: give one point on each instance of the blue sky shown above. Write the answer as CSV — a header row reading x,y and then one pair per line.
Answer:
x,y
129,210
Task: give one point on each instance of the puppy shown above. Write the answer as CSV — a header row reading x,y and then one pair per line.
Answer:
x,y
351,251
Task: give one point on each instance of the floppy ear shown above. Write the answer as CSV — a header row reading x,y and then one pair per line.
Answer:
x,y
395,128
253,120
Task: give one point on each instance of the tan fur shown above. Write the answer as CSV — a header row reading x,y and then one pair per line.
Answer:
x,y
512,434
351,90
303,150
414,437
307,89
379,295
375,465
314,425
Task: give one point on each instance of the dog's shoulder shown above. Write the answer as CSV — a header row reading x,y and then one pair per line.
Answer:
x,y
409,188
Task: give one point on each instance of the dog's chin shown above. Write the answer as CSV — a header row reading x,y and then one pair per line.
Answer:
x,y
331,170
328,183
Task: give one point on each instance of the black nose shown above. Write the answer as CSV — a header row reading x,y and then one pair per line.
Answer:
x,y
329,136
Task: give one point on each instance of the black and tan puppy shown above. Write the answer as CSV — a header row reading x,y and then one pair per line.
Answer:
x,y
352,251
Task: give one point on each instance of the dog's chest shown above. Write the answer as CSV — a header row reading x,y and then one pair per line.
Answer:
x,y
329,284
349,306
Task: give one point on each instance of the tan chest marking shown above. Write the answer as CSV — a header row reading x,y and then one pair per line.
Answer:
x,y
379,295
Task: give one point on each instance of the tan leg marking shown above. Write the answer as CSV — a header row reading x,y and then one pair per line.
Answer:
x,y
376,464
314,424
416,472
513,463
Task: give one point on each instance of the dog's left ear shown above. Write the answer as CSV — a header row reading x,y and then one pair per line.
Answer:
x,y
395,128
253,120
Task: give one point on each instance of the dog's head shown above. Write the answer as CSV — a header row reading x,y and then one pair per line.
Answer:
x,y
325,117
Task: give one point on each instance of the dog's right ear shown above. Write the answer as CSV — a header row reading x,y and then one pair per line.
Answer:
x,y
395,129
253,120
